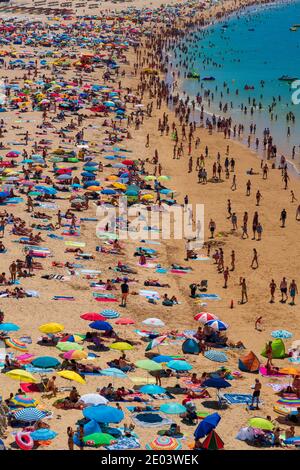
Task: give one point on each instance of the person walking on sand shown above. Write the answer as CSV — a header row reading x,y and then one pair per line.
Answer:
x,y
248,188
212,227
254,259
256,394
124,292
258,323
226,277
293,196
233,185
13,271
243,285
283,289
254,224
229,208
272,291
285,179
234,221
298,213
70,434
293,289
269,354
283,217
259,230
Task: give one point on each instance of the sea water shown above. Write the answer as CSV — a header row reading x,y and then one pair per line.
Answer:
x,y
245,49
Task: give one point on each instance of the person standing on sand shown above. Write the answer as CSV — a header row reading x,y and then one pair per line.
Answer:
x,y
70,434
212,227
124,291
233,185
256,394
229,208
232,260
248,188
226,277
258,323
258,197
283,217
234,221
254,224
244,290
269,354
272,291
283,289
293,289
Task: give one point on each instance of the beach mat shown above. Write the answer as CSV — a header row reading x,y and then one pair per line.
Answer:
x,y
76,244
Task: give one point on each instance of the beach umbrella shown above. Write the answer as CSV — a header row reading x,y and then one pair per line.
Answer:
x,y
153,322
101,325
283,334
16,344
43,434
113,372
162,358
29,415
213,442
156,342
24,401
217,325
109,313
98,439
93,399
103,414
21,375
147,364
51,328
172,408
164,443
290,402
25,358
71,375
204,317
73,338
125,321
217,383
121,346
261,423
9,327
152,389
209,423
289,371
179,365
68,346
128,162
216,356
45,362
92,316
75,355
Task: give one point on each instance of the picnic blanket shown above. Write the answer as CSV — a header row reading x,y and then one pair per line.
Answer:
x,y
124,443
150,419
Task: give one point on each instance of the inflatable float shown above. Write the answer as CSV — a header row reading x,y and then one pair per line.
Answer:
x,y
24,440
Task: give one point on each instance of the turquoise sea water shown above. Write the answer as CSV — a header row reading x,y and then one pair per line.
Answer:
x,y
243,50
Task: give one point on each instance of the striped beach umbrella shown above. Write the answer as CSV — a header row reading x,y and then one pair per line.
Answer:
x,y
24,401
156,342
15,344
164,443
29,415
290,402
216,356
108,313
217,325
204,317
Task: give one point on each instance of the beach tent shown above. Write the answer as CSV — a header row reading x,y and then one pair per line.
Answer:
x,y
249,363
278,349
190,346
213,441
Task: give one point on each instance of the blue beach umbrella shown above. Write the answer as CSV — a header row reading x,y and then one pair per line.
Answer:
x,y
172,408
100,325
9,327
108,191
283,334
29,415
216,383
217,325
207,425
103,414
216,356
152,389
162,358
43,435
179,365
113,372
45,362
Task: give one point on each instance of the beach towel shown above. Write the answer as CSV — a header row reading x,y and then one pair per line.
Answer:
x,y
238,398
151,242
210,296
90,271
147,265
88,219
143,380
161,270
162,396
32,293
105,299
201,258
76,244
37,370
54,236
180,271
294,359
68,234
263,371
91,373
124,443
152,294
2,354
31,388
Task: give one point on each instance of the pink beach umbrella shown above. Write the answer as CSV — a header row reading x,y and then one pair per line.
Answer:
x,y
125,321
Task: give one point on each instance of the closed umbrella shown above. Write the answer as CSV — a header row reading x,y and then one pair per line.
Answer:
x,y
70,375
207,425
103,414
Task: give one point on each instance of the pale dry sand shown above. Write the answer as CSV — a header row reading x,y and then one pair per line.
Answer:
x,y
278,256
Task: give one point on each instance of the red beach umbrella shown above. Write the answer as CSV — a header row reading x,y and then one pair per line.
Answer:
x,y
204,317
125,321
92,316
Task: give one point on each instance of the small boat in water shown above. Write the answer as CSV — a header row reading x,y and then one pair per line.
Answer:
x,y
208,78
193,74
287,78
293,29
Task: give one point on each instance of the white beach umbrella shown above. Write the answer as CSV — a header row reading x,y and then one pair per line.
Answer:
x,y
153,322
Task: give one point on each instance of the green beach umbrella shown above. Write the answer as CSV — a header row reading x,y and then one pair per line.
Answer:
x,y
98,439
261,423
68,346
147,364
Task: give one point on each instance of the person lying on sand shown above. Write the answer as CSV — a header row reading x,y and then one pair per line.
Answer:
x,y
155,283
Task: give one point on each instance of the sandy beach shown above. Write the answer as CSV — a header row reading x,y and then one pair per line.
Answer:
x,y
278,249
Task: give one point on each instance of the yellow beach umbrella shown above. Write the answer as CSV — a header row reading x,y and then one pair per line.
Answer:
x,y
21,375
70,375
51,328
289,371
77,355
147,197
112,177
94,188
121,346
119,185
